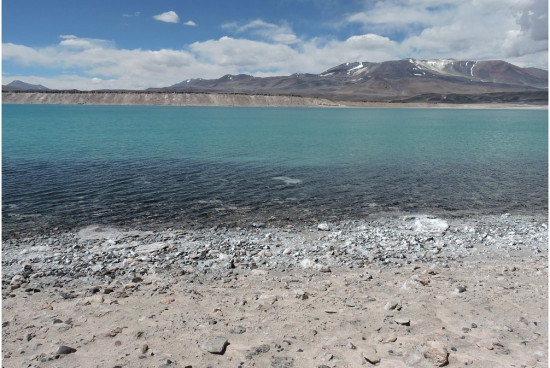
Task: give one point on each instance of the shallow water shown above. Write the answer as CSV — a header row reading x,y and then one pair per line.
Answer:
x,y
69,166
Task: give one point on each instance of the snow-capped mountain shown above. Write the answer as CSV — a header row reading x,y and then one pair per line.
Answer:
x,y
389,80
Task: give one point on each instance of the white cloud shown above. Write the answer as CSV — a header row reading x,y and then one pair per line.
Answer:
x,y
512,30
84,43
168,17
472,29
266,31
190,23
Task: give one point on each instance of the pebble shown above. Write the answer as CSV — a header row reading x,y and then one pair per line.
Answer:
x,y
436,351
215,345
63,350
370,355
391,305
323,226
460,289
300,294
402,321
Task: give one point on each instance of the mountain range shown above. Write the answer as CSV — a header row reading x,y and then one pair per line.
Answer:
x,y
407,80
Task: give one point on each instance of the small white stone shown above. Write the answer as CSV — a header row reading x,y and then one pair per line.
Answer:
x,y
323,226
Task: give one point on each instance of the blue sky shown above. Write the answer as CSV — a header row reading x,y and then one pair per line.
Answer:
x,y
140,44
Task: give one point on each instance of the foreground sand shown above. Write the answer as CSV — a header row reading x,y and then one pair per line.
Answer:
x,y
475,294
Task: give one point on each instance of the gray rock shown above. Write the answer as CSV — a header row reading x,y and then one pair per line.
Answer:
x,y
436,351
300,294
150,248
63,350
323,226
371,356
402,321
215,345
460,289
391,305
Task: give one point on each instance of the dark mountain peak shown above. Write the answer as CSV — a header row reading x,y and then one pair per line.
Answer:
x,y
238,77
386,80
17,84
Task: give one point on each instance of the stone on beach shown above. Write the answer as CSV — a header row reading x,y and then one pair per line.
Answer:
x,y
63,350
428,225
370,355
436,351
215,345
323,226
402,321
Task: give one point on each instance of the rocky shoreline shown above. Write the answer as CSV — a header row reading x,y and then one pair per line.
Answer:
x,y
395,290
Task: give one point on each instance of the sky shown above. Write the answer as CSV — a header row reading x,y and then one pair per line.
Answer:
x,y
137,44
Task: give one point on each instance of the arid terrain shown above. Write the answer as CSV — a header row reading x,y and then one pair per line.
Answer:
x,y
392,291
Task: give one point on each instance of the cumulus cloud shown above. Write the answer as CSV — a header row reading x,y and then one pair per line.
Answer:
x,y
471,29
190,23
513,30
168,17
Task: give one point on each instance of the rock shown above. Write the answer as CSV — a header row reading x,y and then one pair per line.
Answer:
x,y
149,248
17,279
322,268
300,294
287,251
460,289
307,263
113,332
238,330
215,345
386,339
144,348
402,321
63,350
430,226
488,344
391,305
371,356
323,226
16,282
436,351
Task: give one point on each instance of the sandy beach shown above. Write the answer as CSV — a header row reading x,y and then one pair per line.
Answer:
x,y
395,290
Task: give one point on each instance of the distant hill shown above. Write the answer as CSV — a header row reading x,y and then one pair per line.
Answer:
x,y
18,85
385,81
408,80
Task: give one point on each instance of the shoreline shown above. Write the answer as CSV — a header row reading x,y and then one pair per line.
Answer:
x,y
226,100
407,290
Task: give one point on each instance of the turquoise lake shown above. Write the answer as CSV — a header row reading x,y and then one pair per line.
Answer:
x,y
145,166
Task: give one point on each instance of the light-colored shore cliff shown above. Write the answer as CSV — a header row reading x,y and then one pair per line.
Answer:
x,y
162,99
222,99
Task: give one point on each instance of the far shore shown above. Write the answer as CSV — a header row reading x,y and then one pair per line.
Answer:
x,y
226,99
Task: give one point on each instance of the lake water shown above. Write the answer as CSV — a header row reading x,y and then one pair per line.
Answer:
x,y
146,166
